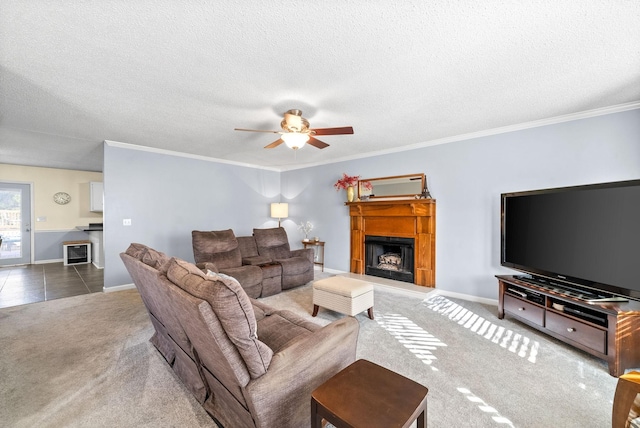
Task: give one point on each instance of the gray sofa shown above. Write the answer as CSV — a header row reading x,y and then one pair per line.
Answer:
x,y
263,263
246,363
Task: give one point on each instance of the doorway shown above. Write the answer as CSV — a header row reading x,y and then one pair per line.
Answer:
x,y
15,223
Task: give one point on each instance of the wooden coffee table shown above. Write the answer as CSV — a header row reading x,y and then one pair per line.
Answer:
x,y
365,394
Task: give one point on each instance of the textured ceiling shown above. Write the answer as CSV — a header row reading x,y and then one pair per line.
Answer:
x,y
180,75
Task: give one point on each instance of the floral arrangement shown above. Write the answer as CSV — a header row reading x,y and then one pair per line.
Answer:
x,y
351,181
305,227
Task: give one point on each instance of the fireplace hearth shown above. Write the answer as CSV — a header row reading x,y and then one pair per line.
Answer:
x,y
389,257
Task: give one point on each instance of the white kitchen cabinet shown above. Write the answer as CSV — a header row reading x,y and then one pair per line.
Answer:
x,y
97,196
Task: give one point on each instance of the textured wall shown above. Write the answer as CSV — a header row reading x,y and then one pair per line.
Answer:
x,y
46,182
166,197
58,221
466,178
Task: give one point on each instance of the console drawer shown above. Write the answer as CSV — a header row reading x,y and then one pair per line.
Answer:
x,y
589,336
525,310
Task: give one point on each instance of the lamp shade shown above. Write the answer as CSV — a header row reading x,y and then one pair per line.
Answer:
x,y
279,210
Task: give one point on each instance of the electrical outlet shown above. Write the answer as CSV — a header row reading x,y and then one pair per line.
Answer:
x,y
126,222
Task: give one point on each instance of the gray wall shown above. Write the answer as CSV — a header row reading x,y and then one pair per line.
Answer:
x,y
48,244
466,178
166,197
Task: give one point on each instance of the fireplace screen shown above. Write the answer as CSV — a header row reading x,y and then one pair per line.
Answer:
x,y
389,257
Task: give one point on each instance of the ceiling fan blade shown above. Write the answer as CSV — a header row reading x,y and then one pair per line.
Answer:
x,y
333,131
256,130
274,144
317,143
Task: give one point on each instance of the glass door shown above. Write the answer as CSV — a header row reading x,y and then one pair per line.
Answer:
x,y
15,224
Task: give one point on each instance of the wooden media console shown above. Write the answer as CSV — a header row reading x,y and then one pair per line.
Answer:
x,y
607,330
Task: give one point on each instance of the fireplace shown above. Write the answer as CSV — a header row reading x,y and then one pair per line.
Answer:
x,y
414,219
389,257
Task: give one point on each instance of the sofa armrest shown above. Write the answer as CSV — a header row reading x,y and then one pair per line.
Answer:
x,y
303,252
205,266
299,369
256,260
260,310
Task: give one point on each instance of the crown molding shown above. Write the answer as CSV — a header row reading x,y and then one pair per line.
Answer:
x,y
488,132
462,137
185,155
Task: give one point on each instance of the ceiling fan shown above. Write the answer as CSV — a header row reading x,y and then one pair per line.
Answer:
x,y
296,132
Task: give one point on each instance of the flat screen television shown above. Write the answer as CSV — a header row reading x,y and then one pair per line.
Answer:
x,y
582,238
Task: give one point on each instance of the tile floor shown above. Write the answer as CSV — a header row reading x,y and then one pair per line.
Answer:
x,y
20,285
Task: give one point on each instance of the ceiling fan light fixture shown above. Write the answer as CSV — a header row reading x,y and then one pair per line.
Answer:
x,y
296,132
295,140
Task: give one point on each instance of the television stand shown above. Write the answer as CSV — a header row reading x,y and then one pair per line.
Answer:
x,y
607,299
590,296
609,330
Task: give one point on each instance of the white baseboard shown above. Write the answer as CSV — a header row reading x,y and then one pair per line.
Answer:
x,y
483,300
118,288
44,262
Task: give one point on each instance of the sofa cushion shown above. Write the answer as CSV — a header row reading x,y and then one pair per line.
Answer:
x,y
249,279
136,250
148,256
231,305
249,251
294,266
208,266
247,245
156,259
260,310
279,329
217,246
272,243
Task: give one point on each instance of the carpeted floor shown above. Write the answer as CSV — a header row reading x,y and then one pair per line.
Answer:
x,y
86,361
480,371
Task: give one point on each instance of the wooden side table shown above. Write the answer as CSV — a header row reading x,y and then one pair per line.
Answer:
x,y
318,251
367,395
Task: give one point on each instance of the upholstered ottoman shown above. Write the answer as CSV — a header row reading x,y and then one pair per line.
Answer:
x,y
344,295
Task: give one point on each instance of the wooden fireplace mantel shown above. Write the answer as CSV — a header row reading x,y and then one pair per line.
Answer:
x,y
404,218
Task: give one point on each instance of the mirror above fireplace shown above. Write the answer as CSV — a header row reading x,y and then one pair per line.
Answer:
x,y
399,186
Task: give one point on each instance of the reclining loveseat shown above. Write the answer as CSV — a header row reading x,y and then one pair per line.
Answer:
x,y
248,364
263,263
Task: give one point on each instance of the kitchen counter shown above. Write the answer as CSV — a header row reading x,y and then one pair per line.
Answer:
x,y
95,236
93,227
